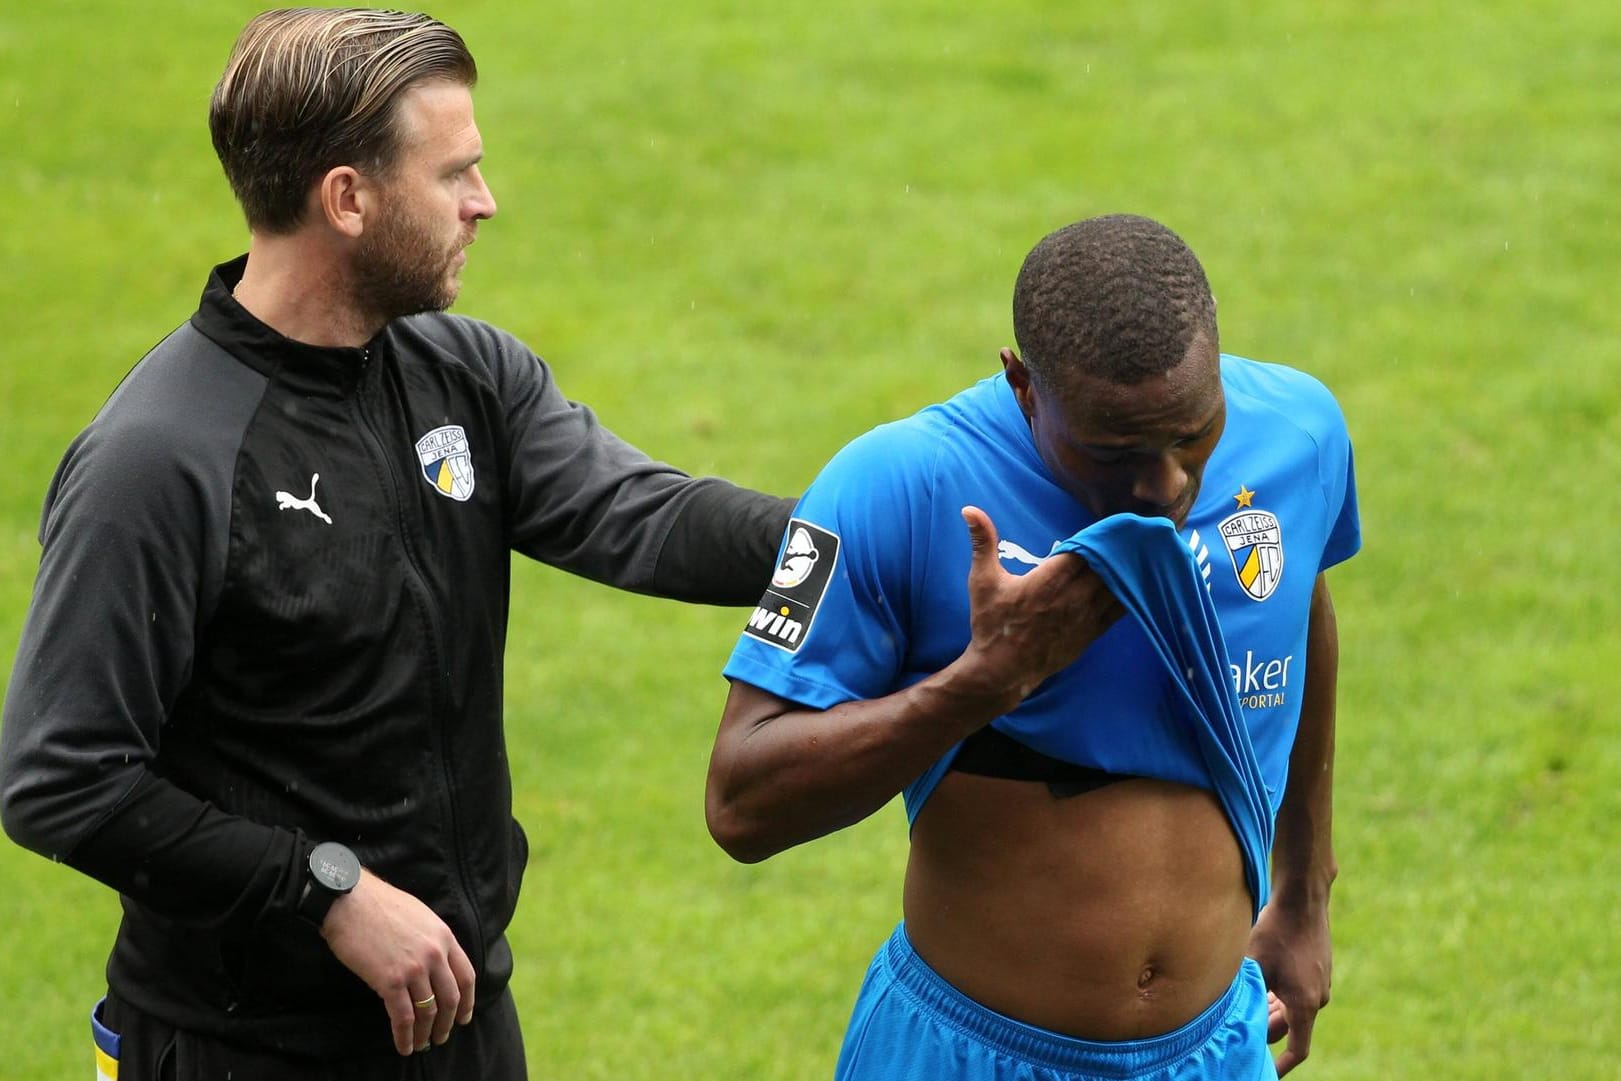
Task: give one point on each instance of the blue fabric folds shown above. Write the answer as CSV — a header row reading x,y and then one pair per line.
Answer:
x,y
1147,566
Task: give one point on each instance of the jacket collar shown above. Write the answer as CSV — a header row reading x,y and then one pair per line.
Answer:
x,y
265,349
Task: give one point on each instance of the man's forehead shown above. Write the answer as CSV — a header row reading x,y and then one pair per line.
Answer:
x,y
1182,399
435,113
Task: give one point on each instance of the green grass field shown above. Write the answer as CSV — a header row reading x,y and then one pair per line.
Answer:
x,y
745,237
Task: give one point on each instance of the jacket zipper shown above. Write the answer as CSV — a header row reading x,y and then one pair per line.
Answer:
x,y
419,586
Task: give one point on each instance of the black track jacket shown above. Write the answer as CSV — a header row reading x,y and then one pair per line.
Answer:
x,y
270,611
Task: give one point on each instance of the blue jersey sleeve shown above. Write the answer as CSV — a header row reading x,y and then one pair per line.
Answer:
x,y
1336,472
832,625
1310,406
1339,484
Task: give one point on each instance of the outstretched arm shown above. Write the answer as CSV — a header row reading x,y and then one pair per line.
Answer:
x,y
579,497
781,774
1291,939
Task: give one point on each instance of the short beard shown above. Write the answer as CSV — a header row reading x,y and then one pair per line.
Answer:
x,y
398,271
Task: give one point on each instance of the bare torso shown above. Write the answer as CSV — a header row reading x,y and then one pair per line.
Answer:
x,y
1117,914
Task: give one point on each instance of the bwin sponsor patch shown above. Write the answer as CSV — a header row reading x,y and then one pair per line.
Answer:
x,y
1255,542
447,462
783,617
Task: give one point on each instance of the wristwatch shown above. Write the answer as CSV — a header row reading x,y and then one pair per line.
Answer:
x,y
333,871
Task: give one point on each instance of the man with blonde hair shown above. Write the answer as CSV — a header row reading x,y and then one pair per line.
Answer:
x,y
259,688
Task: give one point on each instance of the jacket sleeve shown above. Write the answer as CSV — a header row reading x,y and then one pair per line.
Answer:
x,y
582,499
133,544
722,545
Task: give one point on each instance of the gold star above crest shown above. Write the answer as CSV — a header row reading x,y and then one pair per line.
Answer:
x,y
1245,497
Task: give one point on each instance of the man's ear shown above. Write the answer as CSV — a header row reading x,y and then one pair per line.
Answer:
x,y
1018,377
344,198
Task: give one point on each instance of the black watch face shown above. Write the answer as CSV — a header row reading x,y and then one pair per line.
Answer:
x,y
335,867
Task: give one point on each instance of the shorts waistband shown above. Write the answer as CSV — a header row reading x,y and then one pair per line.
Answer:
x,y
1125,1058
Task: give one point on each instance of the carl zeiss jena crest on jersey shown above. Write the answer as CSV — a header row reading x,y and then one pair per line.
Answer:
x,y
1255,542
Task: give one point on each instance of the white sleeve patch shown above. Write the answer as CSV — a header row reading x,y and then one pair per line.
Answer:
x,y
785,613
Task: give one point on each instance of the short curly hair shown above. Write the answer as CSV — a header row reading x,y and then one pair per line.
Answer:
x,y
308,89
1118,297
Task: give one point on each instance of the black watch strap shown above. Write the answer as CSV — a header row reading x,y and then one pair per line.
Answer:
x,y
314,903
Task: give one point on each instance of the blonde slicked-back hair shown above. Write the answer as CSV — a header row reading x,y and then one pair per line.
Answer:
x,y
309,89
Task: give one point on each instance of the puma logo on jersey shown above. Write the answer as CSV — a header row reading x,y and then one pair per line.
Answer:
x,y
1017,553
289,501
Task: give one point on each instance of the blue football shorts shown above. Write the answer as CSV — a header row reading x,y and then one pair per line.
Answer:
x,y
911,1025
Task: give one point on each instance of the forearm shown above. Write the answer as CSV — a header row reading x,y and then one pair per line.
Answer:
x,y
778,779
1303,854
722,546
782,774
179,856
83,723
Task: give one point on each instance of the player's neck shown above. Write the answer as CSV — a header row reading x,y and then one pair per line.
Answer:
x,y
297,286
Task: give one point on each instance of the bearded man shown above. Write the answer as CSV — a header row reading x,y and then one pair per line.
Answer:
x,y
259,689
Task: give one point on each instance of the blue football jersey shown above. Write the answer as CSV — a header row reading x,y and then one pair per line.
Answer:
x,y
870,593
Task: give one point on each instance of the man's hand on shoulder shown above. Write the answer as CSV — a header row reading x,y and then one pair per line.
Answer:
x,y
408,955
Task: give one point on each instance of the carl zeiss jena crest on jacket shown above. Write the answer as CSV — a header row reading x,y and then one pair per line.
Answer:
x,y
447,462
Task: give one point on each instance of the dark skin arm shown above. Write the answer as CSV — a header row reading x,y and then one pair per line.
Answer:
x,y
781,774
1291,939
